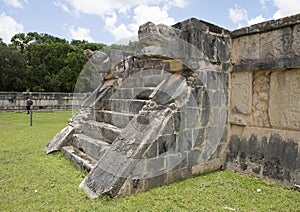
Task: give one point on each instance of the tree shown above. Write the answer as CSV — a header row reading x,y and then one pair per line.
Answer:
x,y
12,69
42,62
45,63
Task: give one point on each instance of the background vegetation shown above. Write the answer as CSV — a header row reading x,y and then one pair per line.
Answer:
x,y
30,180
42,62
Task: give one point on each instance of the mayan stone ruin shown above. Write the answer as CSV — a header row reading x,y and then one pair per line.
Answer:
x,y
192,98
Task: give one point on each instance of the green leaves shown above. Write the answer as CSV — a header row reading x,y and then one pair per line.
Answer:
x,y
42,62
12,69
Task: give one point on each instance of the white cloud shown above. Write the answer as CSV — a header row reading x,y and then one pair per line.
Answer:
x,y
103,8
264,4
176,3
80,33
180,3
142,14
238,15
15,3
156,14
122,18
61,6
110,22
119,32
122,32
9,27
256,20
286,8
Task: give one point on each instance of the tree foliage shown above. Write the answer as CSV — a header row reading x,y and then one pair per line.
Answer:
x,y
12,69
42,62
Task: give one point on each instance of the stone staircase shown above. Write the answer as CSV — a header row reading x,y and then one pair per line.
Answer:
x,y
94,136
157,117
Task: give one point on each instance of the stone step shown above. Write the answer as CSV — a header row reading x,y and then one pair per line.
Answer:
x,y
81,160
133,93
117,119
131,106
90,146
101,131
143,81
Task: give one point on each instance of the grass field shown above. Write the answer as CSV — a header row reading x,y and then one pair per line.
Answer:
x,y
30,180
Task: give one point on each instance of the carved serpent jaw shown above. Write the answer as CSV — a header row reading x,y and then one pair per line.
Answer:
x,y
156,35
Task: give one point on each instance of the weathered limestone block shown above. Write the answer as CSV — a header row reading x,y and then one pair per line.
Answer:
x,y
61,139
174,122
175,65
207,166
269,51
241,98
241,92
284,105
261,87
240,53
174,42
115,166
276,44
171,90
211,40
296,39
266,46
160,40
156,35
266,153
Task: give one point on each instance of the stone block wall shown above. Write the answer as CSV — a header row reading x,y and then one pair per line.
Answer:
x,y
173,96
16,101
195,98
264,110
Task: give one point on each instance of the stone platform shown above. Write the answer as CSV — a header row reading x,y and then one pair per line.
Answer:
x,y
192,98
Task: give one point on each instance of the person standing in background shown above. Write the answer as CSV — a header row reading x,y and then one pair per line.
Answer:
x,y
28,104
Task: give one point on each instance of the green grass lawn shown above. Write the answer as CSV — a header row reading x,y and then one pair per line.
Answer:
x,y
30,180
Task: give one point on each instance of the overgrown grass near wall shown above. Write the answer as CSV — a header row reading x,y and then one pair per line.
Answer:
x,y
30,180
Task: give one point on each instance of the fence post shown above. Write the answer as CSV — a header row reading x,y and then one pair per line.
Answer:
x,y
30,116
30,111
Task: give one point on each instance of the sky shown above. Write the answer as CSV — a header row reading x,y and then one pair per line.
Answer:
x,y
111,21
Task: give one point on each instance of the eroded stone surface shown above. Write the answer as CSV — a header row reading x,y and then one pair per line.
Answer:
x,y
269,45
284,106
240,53
261,89
172,97
264,135
61,139
267,153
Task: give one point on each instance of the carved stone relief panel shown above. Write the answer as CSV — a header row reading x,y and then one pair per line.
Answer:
x,y
296,40
245,48
284,105
276,44
261,87
241,98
